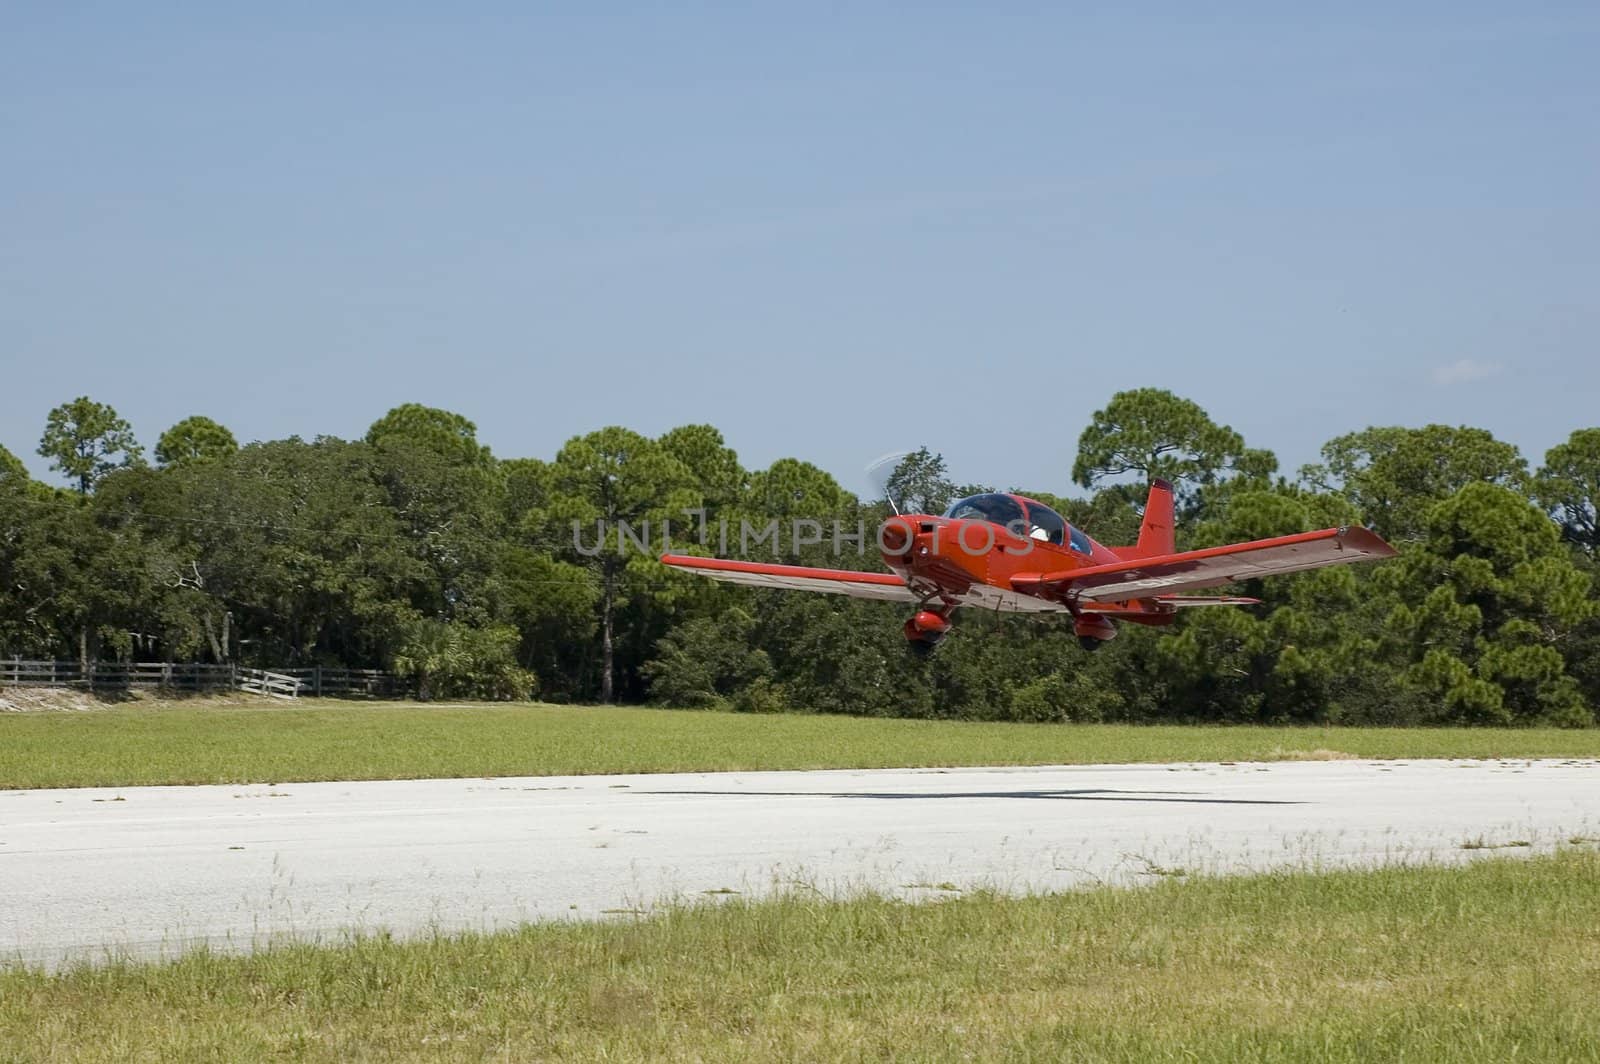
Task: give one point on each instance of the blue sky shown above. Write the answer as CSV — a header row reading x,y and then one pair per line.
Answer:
x,y
830,234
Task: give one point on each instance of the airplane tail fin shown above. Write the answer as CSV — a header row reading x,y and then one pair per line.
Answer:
x,y
1155,531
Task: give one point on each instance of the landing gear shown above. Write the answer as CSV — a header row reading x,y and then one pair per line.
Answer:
x,y
925,631
1093,630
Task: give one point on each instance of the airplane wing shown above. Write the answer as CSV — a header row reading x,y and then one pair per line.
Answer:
x,y
883,586
1212,567
1175,601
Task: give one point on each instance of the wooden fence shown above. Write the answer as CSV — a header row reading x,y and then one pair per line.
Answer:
x,y
112,675
347,683
271,684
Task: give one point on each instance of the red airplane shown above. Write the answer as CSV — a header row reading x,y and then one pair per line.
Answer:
x,y
1012,554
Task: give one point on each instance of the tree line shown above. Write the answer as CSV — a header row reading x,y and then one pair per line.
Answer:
x,y
416,549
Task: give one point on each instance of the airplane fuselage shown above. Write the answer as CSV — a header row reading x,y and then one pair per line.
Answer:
x,y
965,562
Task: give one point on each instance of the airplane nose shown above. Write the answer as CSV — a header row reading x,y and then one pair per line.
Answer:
x,y
895,537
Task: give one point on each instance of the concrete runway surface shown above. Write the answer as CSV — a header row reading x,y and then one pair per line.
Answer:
x,y
150,870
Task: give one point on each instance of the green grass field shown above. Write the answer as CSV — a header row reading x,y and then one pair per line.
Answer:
x,y
208,743
1494,962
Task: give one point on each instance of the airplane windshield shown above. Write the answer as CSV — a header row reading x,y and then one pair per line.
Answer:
x,y
998,509
1021,516
1044,523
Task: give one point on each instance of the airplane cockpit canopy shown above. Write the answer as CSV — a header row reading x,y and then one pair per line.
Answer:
x,y
1020,515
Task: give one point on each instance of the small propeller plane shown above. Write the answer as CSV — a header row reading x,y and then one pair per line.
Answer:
x,y
1012,554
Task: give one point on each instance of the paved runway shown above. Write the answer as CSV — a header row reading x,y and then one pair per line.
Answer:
x,y
149,870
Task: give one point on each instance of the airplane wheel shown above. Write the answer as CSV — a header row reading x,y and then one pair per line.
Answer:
x,y
1089,643
925,631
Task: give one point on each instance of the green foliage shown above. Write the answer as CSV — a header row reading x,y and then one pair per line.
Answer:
x,y
85,440
792,488
603,489
526,487
452,660
447,495
1498,597
718,477
920,483
1155,434
1569,486
298,541
11,467
195,439
331,552
707,660
1258,512
1394,475
552,604
450,436
841,655
760,695
1058,697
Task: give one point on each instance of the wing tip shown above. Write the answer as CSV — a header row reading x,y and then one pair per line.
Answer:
x,y
1367,541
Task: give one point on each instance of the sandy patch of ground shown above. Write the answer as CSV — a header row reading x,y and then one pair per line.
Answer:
x,y
78,700
47,699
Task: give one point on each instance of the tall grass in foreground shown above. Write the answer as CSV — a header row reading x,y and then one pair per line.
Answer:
x,y
1499,960
231,744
